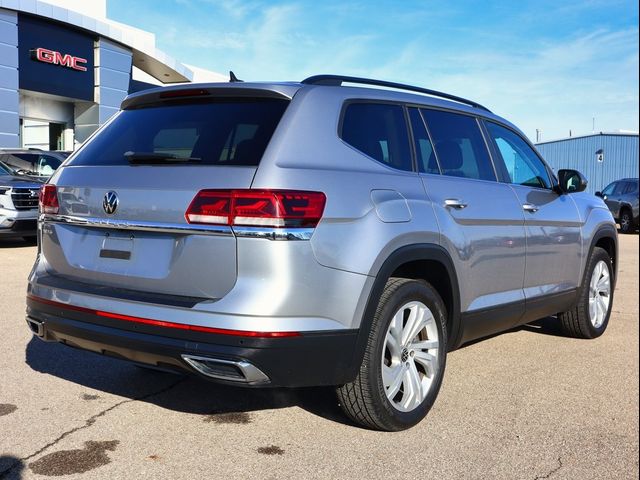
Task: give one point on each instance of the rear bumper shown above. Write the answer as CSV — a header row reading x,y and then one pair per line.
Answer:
x,y
310,359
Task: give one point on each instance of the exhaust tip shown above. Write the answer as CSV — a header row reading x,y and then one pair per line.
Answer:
x,y
239,371
36,326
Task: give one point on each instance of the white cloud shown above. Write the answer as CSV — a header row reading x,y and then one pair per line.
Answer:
x,y
551,80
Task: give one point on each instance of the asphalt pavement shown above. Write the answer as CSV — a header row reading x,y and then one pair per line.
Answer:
x,y
527,404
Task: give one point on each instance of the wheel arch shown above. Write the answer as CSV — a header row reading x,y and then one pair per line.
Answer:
x,y
606,237
428,262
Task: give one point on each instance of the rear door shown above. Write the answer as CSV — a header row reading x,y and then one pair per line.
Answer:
x,y
123,196
552,221
481,223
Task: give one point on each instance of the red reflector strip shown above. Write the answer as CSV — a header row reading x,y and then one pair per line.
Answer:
x,y
162,323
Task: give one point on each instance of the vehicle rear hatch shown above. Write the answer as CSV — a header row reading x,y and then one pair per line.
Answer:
x,y
123,196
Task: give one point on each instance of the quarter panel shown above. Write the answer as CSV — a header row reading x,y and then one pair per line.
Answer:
x,y
597,218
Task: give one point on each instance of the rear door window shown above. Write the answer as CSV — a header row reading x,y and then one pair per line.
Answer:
x,y
425,154
459,145
378,130
220,132
631,187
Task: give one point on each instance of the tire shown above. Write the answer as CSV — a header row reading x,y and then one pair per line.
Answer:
x,y
413,371
626,221
590,317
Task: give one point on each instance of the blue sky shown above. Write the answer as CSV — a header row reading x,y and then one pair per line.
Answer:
x,y
548,65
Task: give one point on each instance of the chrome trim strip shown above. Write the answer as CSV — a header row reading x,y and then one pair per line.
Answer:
x,y
274,233
251,373
180,228
268,233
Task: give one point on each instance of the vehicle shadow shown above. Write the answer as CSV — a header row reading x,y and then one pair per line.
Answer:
x,y
187,394
16,243
191,394
11,467
544,326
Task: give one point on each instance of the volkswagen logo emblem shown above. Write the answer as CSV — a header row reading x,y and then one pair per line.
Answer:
x,y
110,203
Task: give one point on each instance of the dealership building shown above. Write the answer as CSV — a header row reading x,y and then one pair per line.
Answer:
x,y
602,157
65,68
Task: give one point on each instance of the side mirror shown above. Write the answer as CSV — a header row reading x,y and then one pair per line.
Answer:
x,y
571,181
599,194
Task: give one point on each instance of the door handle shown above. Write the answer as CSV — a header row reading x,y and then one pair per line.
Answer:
x,y
455,203
529,207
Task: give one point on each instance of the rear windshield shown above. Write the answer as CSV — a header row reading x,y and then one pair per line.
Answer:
x,y
221,132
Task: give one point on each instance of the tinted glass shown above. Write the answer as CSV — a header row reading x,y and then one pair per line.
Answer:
x,y
521,162
459,144
22,161
379,131
224,132
427,162
620,188
4,170
631,187
608,190
46,165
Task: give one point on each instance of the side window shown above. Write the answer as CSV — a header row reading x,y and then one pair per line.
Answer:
x,y
47,165
427,162
632,187
379,131
459,144
621,187
609,189
521,162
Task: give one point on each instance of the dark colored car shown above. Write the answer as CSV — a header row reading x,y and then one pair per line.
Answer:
x,y
35,163
621,197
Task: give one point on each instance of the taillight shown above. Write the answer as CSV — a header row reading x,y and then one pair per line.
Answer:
x,y
258,208
48,199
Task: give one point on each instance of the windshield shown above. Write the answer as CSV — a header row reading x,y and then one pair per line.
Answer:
x,y
41,164
221,132
5,170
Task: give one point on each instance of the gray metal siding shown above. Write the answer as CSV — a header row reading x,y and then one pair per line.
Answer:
x,y
9,120
620,157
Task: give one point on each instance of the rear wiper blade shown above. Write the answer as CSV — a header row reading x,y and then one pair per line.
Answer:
x,y
153,157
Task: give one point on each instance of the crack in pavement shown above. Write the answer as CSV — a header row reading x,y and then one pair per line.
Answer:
x,y
89,422
548,475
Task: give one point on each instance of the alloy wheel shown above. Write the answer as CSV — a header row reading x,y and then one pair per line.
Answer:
x,y
599,294
410,356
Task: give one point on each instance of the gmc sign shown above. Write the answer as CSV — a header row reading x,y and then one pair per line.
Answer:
x,y
56,58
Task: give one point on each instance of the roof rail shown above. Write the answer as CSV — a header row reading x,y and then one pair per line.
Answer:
x,y
338,80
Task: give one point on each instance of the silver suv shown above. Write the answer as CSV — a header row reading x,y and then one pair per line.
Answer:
x,y
313,233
